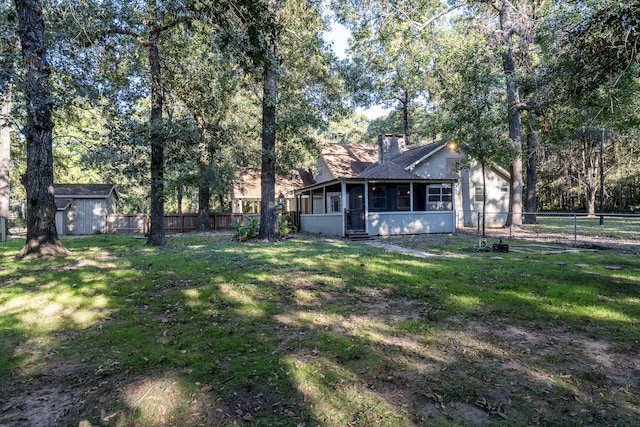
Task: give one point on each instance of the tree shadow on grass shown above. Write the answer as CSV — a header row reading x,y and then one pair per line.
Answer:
x,y
299,333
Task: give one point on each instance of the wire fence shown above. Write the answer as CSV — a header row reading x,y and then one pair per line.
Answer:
x,y
576,228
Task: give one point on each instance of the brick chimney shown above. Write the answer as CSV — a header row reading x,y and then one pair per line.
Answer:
x,y
389,147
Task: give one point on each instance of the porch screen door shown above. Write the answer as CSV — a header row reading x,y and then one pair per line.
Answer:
x,y
355,213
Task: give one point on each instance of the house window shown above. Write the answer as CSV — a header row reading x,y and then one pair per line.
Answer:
x,y
439,197
438,194
335,203
479,196
379,197
403,197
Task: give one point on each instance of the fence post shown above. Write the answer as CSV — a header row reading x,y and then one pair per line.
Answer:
x,y
575,230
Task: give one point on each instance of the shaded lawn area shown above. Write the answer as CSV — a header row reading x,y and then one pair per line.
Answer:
x,y
316,332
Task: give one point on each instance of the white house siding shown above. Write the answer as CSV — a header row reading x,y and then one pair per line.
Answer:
x,y
331,224
465,215
397,223
441,165
497,201
324,172
437,167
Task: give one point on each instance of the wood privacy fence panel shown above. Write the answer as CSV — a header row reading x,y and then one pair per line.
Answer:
x,y
118,223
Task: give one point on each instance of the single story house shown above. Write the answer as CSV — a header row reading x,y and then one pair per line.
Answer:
x,y
364,189
247,191
83,208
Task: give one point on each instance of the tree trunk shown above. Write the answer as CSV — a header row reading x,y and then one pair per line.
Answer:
x,y
179,197
590,195
532,172
203,223
42,236
514,218
405,117
268,215
5,152
204,205
7,67
157,235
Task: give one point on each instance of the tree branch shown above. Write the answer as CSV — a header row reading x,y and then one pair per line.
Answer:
x,y
425,24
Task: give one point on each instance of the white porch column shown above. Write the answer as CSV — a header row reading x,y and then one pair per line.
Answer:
x,y
410,196
324,198
453,205
365,207
343,200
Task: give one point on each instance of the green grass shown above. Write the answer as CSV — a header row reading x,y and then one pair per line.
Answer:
x,y
211,332
618,227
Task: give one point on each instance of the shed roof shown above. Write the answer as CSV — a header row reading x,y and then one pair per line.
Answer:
x,y
62,204
84,191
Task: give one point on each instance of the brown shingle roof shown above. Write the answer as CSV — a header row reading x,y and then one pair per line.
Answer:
x,y
249,184
387,170
349,160
414,154
83,190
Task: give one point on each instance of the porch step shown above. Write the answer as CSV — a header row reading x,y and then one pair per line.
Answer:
x,y
358,235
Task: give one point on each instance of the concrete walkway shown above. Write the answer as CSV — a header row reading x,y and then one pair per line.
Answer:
x,y
412,252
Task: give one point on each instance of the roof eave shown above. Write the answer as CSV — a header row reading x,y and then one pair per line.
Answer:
x,y
376,180
502,171
413,165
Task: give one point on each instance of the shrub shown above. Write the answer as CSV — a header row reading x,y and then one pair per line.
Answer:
x,y
283,225
246,232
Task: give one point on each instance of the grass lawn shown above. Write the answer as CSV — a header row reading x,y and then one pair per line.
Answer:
x,y
619,227
313,332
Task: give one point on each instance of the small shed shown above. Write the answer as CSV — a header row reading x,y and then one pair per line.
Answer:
x,y
83,208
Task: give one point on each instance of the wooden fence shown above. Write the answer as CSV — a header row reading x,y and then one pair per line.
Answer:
x,y
119,223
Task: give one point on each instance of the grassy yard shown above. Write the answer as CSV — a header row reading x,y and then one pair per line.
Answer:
x,y
312,332
620,227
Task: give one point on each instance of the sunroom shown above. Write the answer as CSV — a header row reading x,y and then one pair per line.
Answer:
x,y
378,205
